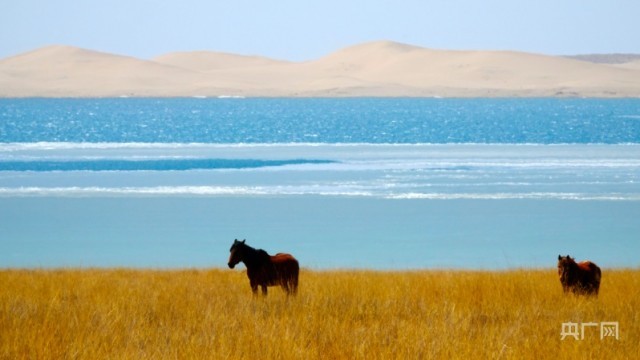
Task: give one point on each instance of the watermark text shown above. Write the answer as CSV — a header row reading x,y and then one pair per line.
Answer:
x,y
577,331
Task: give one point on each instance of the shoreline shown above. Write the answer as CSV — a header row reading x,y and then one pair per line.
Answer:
x,y
521,96
318,271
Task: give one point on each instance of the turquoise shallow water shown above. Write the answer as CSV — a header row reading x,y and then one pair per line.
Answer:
x,y
322,232
340,183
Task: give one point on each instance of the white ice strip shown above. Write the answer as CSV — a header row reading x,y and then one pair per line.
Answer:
x,y
496,153
296,191
517,196
159,190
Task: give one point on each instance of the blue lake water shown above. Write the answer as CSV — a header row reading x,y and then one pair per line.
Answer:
x,y
340,183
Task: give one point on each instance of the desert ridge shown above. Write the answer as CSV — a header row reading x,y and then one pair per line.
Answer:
x,y
205,61
381,68
65,71
632,65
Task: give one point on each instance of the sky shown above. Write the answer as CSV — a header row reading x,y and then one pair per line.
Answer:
x,y
300,30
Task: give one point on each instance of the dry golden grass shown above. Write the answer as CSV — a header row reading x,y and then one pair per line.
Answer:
x,y
144,314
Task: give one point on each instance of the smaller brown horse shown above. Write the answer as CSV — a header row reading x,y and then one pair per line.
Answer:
x,y
264,270
579,278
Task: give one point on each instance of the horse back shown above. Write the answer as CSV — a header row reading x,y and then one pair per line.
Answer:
x,y
284,260
590,268
591,275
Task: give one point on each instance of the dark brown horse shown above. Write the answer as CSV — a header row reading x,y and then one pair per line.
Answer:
x,y
264,270
579,278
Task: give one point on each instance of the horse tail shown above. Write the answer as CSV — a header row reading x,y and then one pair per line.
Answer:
x,y
291,281
294,277
597,276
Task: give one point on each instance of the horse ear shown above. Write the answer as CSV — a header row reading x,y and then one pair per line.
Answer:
x,y
559,257
244,240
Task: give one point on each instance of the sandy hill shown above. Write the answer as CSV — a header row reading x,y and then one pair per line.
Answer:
x,y
68,71
206,61
382,68
477,72
632,65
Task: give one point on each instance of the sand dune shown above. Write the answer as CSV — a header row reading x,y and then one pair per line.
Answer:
x,y
66,71
478,72
632,65
206,61
380,68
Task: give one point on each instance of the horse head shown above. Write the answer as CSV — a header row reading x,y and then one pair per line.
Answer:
x,y
566,264
237,253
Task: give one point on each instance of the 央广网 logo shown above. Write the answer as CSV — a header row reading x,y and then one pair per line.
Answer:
x,y
578,330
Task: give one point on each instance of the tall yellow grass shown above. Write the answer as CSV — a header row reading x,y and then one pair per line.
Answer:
x,y
210,314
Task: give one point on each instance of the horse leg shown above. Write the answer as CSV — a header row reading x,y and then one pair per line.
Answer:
x,y
286,286
254,287
264,289
290,285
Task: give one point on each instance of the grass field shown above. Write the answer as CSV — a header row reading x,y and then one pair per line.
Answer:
x,y
209,314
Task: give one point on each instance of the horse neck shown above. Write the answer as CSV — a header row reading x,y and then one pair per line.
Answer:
x,y
251,257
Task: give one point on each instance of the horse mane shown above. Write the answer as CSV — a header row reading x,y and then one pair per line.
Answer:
x,y
254,256
262,255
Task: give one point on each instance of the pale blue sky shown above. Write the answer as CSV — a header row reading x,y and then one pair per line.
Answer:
x,y
307,29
